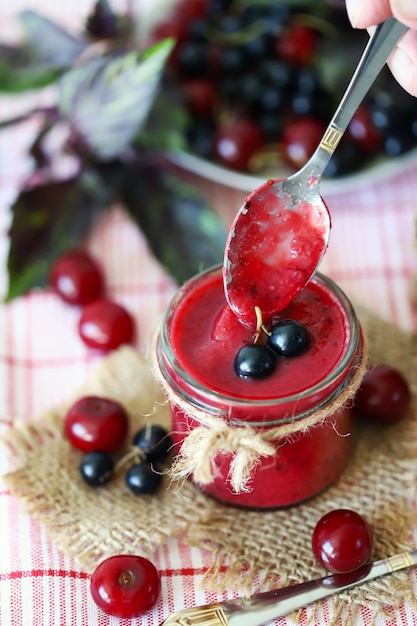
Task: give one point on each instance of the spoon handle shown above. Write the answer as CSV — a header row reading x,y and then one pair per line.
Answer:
x,y
264,607
380,45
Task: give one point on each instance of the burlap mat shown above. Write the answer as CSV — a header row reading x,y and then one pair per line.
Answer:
x,y
249,549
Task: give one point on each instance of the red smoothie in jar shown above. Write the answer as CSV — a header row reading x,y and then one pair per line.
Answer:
x,y
196,350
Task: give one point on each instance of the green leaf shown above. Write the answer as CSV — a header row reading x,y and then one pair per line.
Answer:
x,y
183,233
46,221
51,44
167,122
47,50
20,71
107,99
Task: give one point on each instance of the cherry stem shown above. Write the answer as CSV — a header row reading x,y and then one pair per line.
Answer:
x,y
134,454
148,430
260,327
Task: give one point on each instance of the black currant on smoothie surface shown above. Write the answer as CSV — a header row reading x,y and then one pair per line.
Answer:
x,y
287,338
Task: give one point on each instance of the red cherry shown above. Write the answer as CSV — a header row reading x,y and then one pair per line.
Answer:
x,y
105,325
176,24
297,44
236,142
214,56
76,278
363,132
173,26
342,541
200,96
192,9
94,423
125,585
384,395
299,140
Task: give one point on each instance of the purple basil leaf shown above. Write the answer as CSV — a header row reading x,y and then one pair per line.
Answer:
x,y
182,231
49,43
48,220
107,99
102,23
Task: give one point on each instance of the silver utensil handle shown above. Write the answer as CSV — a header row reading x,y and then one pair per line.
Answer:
x,y
381,43
265,607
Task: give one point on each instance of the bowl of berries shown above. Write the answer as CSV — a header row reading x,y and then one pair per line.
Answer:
x,y
259,83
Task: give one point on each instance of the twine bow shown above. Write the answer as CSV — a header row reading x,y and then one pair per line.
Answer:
x,y
203,444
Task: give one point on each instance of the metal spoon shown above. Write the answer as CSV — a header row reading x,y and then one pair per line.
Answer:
x,y
269,605
281,232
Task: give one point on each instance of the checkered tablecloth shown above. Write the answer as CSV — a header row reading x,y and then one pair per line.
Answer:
x,y
42,360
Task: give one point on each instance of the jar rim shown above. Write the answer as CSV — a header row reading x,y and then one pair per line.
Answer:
x,y
166,356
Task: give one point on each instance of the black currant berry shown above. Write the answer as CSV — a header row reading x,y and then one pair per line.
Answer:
x,y
200,138
345,160
254,361
143,478
191,58
233,60
289,338
278,74
154,442
96,468
397,144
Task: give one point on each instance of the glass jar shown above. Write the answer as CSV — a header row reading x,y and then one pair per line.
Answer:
x,y
298,412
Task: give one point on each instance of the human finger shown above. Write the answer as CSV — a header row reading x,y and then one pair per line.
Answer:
x,y
403,62
405,11
363,13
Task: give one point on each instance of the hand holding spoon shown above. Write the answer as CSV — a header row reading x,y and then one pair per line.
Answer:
x,y
281,232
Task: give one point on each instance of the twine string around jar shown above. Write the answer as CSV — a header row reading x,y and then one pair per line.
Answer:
x,y
246,444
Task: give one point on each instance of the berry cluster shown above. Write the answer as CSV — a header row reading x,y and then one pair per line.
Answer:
x,y
104,324
256,86
287,338
98,427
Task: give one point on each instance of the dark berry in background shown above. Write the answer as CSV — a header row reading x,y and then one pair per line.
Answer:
x,y
250,74
384,395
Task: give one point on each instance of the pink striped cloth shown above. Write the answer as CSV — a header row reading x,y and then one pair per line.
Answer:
x,y
42,360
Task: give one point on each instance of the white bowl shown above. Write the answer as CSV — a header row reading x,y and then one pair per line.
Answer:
x,y
211,171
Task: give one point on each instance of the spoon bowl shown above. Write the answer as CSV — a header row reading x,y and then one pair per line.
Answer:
x,y
282,230
274,246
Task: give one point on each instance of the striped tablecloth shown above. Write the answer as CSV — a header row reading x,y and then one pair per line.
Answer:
x,y
42,360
